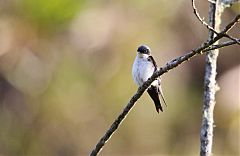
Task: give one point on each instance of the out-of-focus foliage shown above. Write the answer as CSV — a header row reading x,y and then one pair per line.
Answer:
x,y
65,74
49,14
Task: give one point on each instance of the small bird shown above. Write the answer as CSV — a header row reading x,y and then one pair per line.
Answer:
x,y
143,68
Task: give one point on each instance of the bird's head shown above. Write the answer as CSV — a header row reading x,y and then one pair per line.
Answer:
x,y
144,49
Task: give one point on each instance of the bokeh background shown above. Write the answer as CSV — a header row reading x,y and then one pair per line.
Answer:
x,y
65,75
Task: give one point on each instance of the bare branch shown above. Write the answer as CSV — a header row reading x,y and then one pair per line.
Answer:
x,y
170,65
231,24
218,46
207,25
212,1
200,19
232,38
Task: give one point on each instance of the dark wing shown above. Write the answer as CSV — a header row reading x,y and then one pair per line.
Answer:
x,y
160,91
153,92
150,58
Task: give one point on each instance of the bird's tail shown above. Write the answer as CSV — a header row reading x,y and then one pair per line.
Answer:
x,y
153,92
161,94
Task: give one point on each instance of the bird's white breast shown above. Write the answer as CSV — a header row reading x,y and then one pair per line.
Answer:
x,y
142,69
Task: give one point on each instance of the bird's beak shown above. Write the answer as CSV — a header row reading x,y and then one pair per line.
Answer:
x,y
139,53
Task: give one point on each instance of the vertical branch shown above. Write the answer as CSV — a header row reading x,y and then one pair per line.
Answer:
x,y
210,84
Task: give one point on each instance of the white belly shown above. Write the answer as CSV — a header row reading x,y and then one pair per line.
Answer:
x,y
142,70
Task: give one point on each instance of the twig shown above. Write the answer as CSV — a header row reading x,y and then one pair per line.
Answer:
x,y
170,65
231,24
212,1
232,38
200,19
207,25
218,46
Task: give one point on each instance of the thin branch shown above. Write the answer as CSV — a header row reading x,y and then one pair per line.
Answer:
x,y
200,19
229,27
231,24
195,11
218,46
170,65
232,38
212,1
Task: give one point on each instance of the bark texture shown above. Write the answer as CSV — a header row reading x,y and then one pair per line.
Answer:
x,y
210,84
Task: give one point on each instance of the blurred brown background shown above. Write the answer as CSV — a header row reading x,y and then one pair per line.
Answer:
x,y
65,75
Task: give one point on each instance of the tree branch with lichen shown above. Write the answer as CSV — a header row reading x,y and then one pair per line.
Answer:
x,y
216,9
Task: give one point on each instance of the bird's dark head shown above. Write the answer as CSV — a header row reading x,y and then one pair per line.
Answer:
x,y
143,49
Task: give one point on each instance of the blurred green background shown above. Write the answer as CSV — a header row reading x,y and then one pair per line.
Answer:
x,y
65,75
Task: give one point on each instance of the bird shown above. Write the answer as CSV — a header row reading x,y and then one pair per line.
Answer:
x,y
143,68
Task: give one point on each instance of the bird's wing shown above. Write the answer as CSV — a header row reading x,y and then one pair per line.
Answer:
x,y
150,59
160,91
153,92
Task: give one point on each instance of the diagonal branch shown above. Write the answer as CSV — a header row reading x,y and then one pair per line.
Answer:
x,y
170,65
232,38
195,11
200,19
218,46
231,24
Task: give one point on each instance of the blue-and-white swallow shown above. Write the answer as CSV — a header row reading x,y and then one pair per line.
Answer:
x,y
143,68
